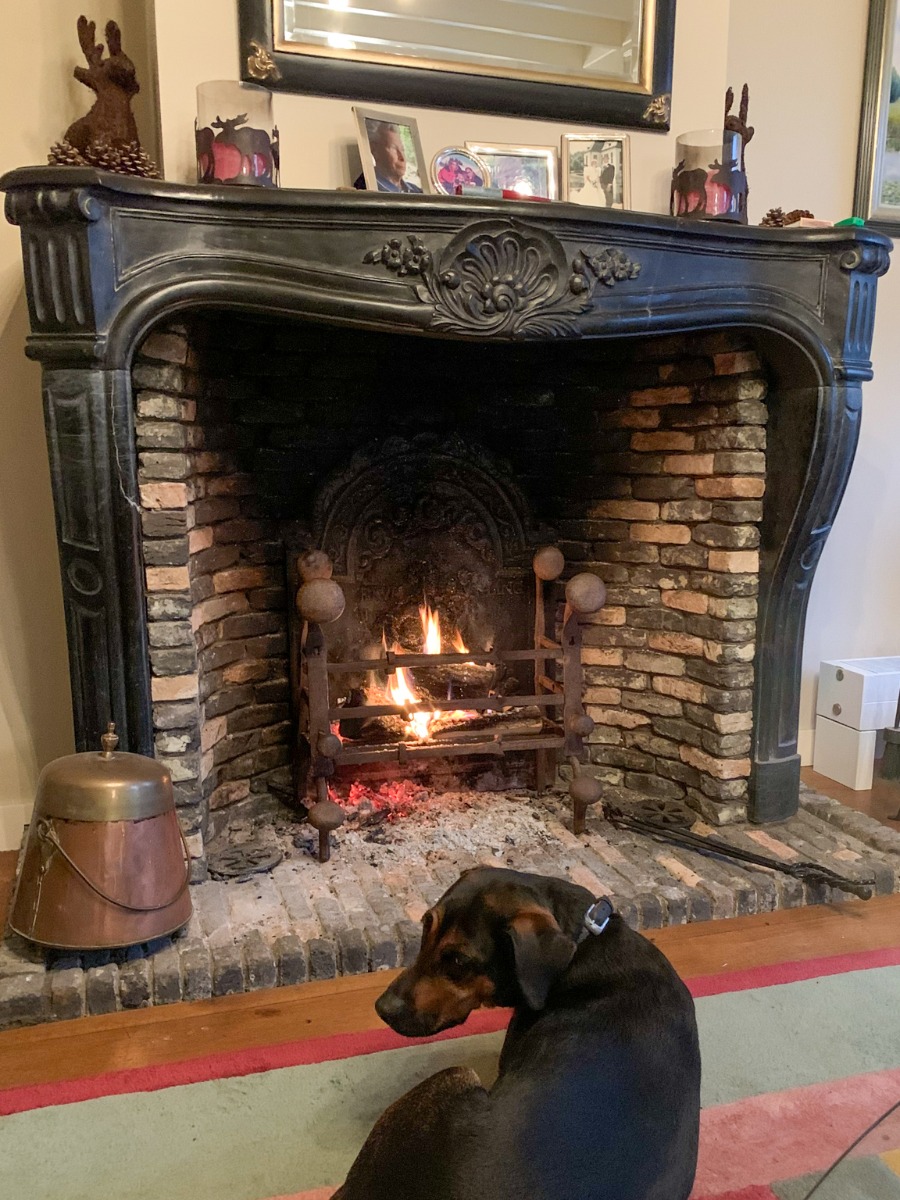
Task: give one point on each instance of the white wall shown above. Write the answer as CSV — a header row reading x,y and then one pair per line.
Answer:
x,y
804,64
39,100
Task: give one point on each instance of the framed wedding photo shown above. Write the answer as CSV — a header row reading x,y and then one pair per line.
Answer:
x,y
595,169
877,194
391,152
529,170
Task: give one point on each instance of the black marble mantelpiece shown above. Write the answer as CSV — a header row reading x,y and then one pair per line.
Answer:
x,y
108,257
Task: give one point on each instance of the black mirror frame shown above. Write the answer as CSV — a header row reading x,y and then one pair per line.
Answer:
x,y
261,63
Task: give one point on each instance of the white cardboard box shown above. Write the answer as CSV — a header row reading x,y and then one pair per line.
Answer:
x,y
846,755
859,692
857,698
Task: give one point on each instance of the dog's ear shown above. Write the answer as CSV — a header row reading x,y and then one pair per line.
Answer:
x,y
542,952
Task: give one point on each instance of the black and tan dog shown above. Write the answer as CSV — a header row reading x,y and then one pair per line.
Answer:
x,y
598,1095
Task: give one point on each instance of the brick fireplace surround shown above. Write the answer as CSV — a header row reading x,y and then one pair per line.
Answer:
x,y
651,471
679,402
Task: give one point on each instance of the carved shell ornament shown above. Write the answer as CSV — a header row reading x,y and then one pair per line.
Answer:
x,y
504,280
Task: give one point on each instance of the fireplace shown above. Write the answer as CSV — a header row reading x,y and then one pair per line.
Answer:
x,y
642,463
429,391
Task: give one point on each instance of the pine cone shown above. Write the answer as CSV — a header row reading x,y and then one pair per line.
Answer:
x,y
795,215
64,154
123,160
774,219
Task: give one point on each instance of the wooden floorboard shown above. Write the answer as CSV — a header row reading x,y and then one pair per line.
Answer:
x,y
153,1036
881,801
94,1045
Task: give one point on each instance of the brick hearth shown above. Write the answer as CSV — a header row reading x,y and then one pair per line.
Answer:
x,y
360,913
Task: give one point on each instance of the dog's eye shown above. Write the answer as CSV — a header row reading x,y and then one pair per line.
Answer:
x,y
456,964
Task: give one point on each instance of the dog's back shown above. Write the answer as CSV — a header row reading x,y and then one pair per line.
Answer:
x,y
597,1096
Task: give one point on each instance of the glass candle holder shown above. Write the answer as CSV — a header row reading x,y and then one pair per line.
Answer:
x,y
709,180
237,142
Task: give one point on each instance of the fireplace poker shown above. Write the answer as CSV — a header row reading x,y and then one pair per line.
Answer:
x,y
806,872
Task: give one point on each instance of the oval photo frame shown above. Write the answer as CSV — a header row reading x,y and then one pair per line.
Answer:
x,y
454,165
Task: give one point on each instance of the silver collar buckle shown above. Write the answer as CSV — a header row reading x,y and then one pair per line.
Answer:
x,y
597,916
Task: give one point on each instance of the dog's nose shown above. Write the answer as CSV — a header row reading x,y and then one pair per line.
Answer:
x,y
389,1007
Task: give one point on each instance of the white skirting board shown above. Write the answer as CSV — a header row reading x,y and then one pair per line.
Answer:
x,y
805,741
13,819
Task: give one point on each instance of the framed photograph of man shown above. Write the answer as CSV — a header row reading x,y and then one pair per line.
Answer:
x,y
529,170
595,169
391,153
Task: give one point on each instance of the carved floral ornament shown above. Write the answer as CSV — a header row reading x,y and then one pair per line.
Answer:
x,y
504,280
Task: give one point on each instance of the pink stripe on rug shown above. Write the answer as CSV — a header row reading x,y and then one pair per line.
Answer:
x,y
792,972
257,1059
324,1194
750,1193
781,1135
233,1064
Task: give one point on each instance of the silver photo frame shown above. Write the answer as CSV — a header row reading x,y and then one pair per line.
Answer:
x,y
377,132
595,169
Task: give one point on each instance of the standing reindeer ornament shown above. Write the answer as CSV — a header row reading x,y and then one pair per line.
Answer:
x,y
737,168
107,136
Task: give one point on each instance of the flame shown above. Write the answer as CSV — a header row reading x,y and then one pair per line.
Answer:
x,y
431,628
401,685
402,691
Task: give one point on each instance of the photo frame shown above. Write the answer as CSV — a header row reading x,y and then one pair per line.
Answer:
x,y
595,169
454,165
389,144
877,193
530,170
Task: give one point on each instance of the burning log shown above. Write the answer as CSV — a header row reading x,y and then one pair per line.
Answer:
x,y
460,679
519,721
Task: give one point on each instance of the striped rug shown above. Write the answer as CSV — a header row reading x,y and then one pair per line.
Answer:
x,y
798,1059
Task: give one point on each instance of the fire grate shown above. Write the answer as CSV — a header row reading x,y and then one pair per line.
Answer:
x,y
557,692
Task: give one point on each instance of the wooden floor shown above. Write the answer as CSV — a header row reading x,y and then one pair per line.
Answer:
x,y
173,1033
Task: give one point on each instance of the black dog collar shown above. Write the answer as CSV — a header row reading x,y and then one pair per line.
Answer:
x,y
597,916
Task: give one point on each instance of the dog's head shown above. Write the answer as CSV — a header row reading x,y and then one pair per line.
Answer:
x,y
497,937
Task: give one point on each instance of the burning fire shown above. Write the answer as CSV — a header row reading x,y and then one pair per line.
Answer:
x,y
401,686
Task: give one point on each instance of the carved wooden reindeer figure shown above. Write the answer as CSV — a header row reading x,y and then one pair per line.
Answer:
x,y
114,81
739,124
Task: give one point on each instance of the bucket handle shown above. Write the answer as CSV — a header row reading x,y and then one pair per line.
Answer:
x,y
47,833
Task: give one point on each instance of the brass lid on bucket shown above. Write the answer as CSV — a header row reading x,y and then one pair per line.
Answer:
x,y
106,785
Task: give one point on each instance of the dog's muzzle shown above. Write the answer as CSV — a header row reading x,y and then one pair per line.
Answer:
x,y
396,1013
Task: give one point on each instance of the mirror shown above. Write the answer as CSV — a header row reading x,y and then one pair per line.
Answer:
x,y
603,61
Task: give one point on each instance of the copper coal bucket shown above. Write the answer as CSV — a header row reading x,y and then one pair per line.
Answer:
x,y
105,864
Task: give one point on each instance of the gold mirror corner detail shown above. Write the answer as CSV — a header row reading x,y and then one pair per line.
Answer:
x,y
658,110
260,64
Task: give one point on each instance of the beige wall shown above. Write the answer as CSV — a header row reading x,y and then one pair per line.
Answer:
x,y
803,156
39,99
